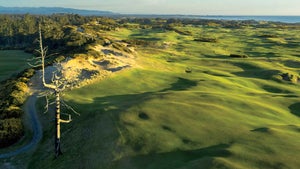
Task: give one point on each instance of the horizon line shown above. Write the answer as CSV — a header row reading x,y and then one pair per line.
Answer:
x,y
158,14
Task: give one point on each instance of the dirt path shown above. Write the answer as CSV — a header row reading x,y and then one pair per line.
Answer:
x,y
36,129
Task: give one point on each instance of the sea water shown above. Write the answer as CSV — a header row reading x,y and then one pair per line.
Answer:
x,y
285,19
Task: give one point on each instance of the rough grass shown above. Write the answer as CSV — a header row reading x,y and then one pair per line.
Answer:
x,y
12,62
227,113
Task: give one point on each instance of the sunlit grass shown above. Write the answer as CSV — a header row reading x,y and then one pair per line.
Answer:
x,y
226,113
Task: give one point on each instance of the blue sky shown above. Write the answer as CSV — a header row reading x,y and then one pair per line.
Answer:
x,y
201,7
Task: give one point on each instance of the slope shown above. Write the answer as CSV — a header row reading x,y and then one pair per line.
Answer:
x,y
224,112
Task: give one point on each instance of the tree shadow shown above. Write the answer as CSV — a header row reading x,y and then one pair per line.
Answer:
x,y
295,109
175,159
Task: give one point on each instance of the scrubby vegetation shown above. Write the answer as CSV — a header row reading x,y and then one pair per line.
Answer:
x,y
14,92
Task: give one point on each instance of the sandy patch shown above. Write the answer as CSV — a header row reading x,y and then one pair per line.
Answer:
x,y
84,69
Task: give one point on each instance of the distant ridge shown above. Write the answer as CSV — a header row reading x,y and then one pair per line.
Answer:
x,y
52,10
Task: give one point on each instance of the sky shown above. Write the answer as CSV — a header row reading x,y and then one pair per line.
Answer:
x,y
195,7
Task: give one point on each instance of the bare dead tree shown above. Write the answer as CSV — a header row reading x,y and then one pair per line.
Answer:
x,y
57,85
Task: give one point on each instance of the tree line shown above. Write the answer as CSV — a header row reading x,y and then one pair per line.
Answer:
x,y
60,31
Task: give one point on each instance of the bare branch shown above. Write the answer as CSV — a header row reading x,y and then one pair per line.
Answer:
x,y
70,108
43,94
33,58
47,105
53,76
52,103
65,121
50,86
52,54
38,51
34,66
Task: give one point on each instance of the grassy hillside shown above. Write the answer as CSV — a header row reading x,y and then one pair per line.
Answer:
x,y
192,102
12,62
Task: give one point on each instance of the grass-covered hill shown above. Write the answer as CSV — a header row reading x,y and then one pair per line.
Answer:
x,y
198,96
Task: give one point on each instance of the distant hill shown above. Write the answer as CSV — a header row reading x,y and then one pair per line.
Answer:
x,y
51,10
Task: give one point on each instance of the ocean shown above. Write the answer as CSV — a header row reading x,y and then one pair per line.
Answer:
x,y
285,19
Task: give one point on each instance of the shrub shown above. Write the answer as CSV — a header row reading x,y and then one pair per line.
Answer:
x,y
21,86
24,79
29,73
290,77
11,112
11,130
238,56
188,70
17,97
205,39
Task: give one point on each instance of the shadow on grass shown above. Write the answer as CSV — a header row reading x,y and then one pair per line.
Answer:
x,y
262,54
203,158
262,130
102,120
273,89
119,103
181,84
291,64
251,71
216,74
292,44
295,109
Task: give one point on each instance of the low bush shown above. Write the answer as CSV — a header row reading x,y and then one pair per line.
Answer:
x,y
238,56
12,111
205,39
11,130
290,77
28,73
13,94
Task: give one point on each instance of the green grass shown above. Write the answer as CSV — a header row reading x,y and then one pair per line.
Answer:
x,y
12,62
227,113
